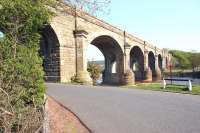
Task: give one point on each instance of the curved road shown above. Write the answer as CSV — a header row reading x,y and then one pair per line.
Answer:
x,y
120,110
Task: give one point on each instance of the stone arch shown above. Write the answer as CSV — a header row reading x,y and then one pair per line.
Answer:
x,y
49,50
113,54
138,46
137,62
93,35
160,60
151,64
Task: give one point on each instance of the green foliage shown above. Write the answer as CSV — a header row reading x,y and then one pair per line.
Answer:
x,y
195,60
95,71
21,21
75,79
181,59
185,60
21,72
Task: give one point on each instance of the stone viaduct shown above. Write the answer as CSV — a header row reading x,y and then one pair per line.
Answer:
x,y
65,40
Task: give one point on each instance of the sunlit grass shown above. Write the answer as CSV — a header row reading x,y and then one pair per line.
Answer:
x,y
169,88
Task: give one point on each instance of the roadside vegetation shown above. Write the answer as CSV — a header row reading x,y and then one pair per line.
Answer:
x,y
169,88
22,86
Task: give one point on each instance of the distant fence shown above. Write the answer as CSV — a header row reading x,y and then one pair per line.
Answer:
x,y
183,74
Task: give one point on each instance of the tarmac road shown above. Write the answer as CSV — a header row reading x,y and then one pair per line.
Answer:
x,y
120,110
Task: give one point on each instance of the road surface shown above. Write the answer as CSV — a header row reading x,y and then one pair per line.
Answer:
x,y
120,110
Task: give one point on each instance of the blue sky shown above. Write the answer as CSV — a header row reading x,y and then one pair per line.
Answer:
x,y
173,24
167,23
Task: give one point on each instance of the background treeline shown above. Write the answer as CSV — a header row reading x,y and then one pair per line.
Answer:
x,y
186,64
186,60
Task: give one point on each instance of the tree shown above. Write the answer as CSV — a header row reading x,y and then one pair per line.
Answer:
x,y
195,60
186,60
95,71
21,74
89,6
182,59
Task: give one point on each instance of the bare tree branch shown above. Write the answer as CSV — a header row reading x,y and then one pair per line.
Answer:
x,y
90,6
5,112
8,97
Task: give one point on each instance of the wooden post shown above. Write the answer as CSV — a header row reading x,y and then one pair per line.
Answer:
x,y
170,69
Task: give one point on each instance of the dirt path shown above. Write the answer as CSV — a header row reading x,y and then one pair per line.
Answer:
x,y
63,120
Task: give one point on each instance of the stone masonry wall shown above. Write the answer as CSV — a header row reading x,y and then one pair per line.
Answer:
x,y
67,21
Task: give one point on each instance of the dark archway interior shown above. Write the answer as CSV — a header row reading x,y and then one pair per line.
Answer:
x,y
160,60
151,59
137,62
166,62
49,50
113,57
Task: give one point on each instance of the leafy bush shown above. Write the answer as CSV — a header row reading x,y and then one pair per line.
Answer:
x,y
75,79
21,74
95,71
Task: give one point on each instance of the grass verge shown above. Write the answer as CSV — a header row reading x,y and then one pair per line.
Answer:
x,y
169,88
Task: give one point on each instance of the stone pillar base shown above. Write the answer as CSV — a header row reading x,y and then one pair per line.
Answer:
x,y
148,75
84,77
158,74
129,78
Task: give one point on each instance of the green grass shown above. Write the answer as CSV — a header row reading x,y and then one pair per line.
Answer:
x,y
169,88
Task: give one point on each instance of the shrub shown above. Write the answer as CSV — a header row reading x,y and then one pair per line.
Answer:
x,y
21,74
75,79
95,71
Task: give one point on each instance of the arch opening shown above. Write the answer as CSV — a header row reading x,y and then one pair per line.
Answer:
x,y
151,63
166,63
160,60
49,50
113,59
137,63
